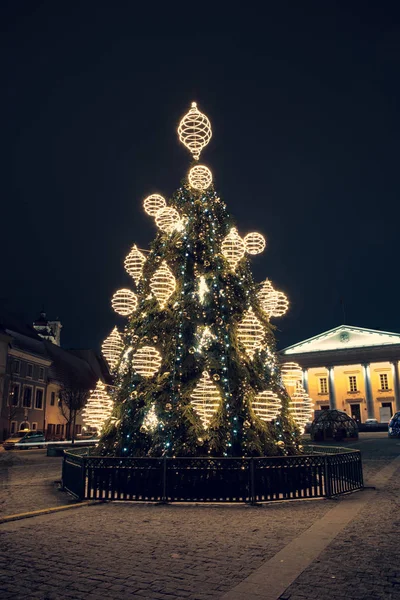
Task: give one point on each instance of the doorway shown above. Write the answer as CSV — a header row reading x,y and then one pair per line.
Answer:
x,y
356,412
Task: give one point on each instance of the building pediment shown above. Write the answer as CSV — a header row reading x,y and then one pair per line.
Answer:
x,y
344,337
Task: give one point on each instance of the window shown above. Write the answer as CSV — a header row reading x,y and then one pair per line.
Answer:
x,y
323,385
34,426
13,426
39,399
41,374
384,381
24,425
353,383
58,429
29,370
388,405
16,367
53,399
14,394
27,399
50,429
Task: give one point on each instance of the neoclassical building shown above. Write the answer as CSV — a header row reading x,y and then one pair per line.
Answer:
x,y
352,369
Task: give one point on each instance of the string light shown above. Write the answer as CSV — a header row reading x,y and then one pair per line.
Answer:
x,y
291,373
124,302
146,361
233,248
250,332
112,348
163,284
281,305
98,408
274,303
168,219
202,289
152,204
200,177
150,422
267,405
195,131
206,338
205,399
254,243
134,263
300,407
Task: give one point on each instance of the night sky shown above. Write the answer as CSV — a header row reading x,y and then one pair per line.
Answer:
x,y
304,102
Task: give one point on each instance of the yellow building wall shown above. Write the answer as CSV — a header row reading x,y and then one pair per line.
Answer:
x,y
53,413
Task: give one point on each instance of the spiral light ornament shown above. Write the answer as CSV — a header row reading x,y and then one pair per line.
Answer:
x,y
267,297
233,248
267,405
205,399
254,243
281,304
154,203
98,408
124,302
146,361
168,219
301,407
195,131
134,263
163,284
112,348
250,332
200,177
292,374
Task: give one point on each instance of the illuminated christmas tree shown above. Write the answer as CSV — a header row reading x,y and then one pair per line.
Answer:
x,y
196,371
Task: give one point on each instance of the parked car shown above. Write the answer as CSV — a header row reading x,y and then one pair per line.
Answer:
x,y
371,423
394,426
28,436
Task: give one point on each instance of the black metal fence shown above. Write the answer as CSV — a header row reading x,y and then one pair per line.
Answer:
x,y
319,473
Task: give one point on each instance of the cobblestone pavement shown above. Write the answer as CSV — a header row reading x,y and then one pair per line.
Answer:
x,y
156,552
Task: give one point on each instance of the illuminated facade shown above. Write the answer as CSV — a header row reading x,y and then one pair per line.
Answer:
x,y
352,369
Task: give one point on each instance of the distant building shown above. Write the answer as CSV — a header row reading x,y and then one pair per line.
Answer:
x,y
48,330
352,369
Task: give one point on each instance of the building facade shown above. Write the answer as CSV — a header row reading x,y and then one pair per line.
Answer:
x,y
352,369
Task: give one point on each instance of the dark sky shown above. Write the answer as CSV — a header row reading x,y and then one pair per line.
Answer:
x,y
304,102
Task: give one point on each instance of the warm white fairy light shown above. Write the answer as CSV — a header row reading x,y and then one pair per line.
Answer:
x,y
124,302
233,248
146,361
124,363
98,408
112,348
168,219
250,332
281,305
267,405
206,338
134,263
163,284
150,421
301,406
203,289
205,398
200,177
154,203
254,243
194,131
291,373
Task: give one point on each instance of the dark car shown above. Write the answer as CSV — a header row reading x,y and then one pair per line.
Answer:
x,y
25,439
394,426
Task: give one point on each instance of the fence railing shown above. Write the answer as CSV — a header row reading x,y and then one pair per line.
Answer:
x,y
312,475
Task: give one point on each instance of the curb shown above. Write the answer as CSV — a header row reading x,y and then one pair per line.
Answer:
x,y
45,511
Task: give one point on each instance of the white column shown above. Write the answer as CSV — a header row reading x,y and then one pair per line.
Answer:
x,y
368,391
305,380
396,388
332,394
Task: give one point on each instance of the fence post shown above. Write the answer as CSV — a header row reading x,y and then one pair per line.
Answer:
x,y
83,478
252,482
164,490
327,473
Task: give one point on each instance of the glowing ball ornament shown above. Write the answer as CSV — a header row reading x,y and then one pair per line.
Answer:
x,y
281,305
254,243
267,297
250,332
301,407
267,405
146,361
134,263
152,204
233,248
206,399
168,219
163,284
292,374
98,408
112,348
124,302
200,177
195,131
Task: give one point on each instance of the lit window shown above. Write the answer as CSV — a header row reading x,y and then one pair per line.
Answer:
x,y
39,399
353,383
384,381
323,385
41,374
27,399
29,370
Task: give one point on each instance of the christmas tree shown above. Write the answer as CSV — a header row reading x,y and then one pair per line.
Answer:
x,y
196,371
